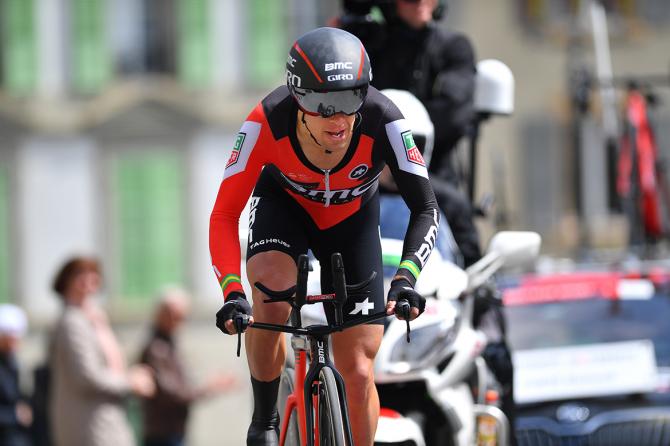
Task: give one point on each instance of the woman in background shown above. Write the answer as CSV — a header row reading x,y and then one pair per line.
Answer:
x,y
89,378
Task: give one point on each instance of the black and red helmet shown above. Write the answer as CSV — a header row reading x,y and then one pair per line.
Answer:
x,y
328,71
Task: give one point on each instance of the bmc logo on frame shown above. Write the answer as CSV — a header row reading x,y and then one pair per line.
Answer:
x,y
412,151
237,148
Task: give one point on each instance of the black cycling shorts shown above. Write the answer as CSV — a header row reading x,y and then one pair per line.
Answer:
x,y
278,223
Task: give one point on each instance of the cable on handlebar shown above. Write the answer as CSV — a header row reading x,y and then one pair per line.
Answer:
x,y
359,286
276,296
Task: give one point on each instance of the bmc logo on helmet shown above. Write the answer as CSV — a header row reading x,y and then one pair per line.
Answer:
x,y
293,79
339,66
341,77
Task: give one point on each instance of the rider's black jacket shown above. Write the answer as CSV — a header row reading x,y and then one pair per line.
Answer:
x,y
438,67
434,64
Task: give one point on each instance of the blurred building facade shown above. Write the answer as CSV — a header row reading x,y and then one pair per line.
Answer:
x,y
117,117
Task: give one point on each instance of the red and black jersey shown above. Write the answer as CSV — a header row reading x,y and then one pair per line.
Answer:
x,y
267,146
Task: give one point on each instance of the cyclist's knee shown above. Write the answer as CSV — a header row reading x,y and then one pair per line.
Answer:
x,y
355,349
276,270
358,379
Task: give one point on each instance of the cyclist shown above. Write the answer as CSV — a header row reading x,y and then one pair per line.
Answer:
x,y
312,151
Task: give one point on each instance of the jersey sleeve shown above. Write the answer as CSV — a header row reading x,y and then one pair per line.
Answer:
x,y
249,155
411,176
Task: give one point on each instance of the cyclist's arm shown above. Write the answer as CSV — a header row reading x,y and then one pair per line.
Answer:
x,y
410,174
240,175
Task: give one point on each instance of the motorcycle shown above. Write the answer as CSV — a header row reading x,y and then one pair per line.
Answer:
x,y
438,382
430,383
433,389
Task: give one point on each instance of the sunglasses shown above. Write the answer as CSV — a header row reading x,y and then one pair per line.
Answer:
x,y
329,103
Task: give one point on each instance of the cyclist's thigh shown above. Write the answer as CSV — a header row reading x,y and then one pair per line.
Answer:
x,y
357,239
276,223
276,238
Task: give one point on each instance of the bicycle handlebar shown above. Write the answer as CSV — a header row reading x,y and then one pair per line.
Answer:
x,y
297,297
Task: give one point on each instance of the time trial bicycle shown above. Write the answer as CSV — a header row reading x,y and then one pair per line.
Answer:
x,y
315,412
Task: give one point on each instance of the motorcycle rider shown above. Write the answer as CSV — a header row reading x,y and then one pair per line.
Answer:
x,y
411,52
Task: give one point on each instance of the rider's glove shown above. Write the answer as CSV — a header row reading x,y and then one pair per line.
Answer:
x,y
401,289
236,303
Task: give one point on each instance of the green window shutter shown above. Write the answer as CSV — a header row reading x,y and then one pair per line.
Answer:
x,y
150,213
267,42
4,235
91,68
17,33
193,48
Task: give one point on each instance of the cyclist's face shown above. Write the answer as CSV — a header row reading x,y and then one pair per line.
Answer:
x,y
416,13
334,133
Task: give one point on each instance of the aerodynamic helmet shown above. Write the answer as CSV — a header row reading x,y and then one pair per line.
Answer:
x,y
328,71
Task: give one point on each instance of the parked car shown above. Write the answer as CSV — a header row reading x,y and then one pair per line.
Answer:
x,y
591,351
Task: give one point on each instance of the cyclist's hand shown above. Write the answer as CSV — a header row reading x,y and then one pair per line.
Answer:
x,y
236,304
401,289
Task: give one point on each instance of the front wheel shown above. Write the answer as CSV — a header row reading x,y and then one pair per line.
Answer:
x,y
330,422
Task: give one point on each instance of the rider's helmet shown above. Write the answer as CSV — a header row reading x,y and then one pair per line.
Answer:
x,y
418,118
328,72
494,88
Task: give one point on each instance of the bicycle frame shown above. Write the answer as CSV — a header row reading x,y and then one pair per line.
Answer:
x,y
296,400
317,336
316,339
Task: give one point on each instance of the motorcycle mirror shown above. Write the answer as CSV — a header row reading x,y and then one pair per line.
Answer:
x,y
515,247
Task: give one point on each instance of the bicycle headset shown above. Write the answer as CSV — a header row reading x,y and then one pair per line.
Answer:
x,y
327,72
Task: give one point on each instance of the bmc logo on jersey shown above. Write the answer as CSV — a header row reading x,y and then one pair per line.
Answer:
x,y
235,155
332,196
339,66
412,151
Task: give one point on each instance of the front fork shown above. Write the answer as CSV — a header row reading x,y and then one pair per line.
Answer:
x,y
320,357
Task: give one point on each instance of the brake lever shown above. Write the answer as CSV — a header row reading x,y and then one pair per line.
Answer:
x,y
403,308
241,322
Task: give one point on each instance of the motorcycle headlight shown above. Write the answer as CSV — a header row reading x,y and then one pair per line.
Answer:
x,y
424,340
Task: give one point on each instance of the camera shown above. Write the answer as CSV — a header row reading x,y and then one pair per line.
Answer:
x,y
363,7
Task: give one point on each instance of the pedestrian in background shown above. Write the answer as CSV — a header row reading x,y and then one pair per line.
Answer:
x,y
15,413
165,414
89,379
